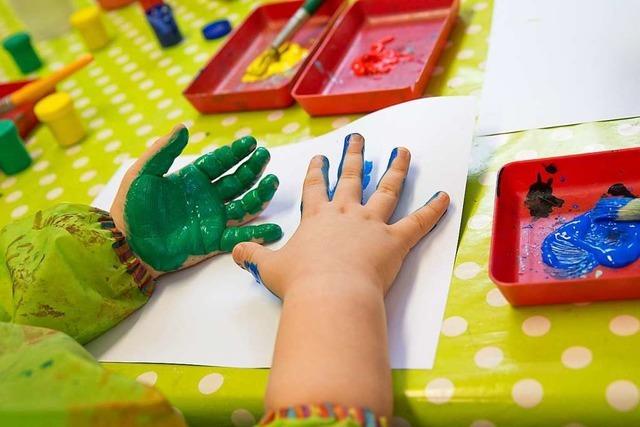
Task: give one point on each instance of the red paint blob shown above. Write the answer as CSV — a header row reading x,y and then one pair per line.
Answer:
x,y
379,59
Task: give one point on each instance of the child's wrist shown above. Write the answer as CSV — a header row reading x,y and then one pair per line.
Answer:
x,y
334,285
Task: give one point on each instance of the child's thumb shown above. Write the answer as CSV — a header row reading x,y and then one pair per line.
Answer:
x,y
250,255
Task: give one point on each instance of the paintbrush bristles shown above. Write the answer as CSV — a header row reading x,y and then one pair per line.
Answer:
x,y
617,209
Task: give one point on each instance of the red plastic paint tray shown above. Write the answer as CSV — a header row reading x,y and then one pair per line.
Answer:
x,y
516,264
218,87
22,116
421,27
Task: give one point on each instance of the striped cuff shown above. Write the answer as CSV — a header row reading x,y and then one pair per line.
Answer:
x,y
328,411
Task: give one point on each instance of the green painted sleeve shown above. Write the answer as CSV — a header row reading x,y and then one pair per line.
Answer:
x,y
67,268
48,379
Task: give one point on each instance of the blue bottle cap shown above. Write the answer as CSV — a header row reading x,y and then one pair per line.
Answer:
x,y
216,29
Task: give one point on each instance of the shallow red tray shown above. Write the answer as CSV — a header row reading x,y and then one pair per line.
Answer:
x,y
23,116
516,264
218,87
329,86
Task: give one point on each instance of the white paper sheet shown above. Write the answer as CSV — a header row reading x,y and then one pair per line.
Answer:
x,y
216,314
553,63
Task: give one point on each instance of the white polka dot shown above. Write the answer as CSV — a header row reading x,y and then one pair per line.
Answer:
x,y
188,123
143,130
104,134
69,84
9,182
454,326
536,326
527,393
36,153
118,98
137,75
96,123
121,158
88,175
242,418
134,119
146,84
110,89
80,162
147,47
482,423
624,325
622,395
275,115
439,391
526,155
201,57
174,114
629,129
152,140
47,179
41,165
54,193
479,221
466,54
340,122
19,211
174,70
13,196
72,151
576,357
89,112
455,82
488,357
183,79
561,134
190,49
129,67
243,132
164,103
122,59
229,120
112,146
95,71
103,80
211,383
291,128
95,190
467,270
474,29
479,6
125,109
148,378
495,298
114,51
155,94
197,137
82,102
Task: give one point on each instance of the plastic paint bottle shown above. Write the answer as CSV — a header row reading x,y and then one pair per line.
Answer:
x,y
21,50
160,17
13,155
58,112
88,22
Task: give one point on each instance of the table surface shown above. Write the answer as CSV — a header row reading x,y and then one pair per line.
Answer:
x,y
564,365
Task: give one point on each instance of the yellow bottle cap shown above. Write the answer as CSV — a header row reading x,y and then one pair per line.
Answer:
x,y
85,17
53,107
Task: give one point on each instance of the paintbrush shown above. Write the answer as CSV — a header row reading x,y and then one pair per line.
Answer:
x,y
37,89
617,209
279,44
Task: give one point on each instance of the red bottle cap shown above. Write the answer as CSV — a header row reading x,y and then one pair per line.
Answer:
x,y
148,4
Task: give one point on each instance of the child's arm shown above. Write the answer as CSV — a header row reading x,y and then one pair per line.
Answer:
x,y
332,276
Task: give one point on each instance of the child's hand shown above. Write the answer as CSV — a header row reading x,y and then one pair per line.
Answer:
x,y
341,238
175,220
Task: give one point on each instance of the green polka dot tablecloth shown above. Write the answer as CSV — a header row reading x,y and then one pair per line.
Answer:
x,y
571,365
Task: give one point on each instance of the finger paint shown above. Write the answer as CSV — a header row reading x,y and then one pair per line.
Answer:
x,y
367,168
171,217
540,199
392,157
579,246
380,59
435,196
253,269
264,66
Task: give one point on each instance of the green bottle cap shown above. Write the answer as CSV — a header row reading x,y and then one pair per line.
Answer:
x,y
14,157
21,50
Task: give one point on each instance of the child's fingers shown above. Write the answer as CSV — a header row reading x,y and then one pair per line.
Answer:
x,y
250,256
349,186
160,156
385,199
417,225
315,189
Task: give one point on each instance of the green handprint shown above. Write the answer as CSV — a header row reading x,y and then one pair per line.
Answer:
x,y
178,219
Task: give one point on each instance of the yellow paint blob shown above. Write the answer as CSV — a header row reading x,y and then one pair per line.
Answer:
x,y
266,65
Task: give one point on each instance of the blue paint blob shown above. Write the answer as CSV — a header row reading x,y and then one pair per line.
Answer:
x,y
161,19
608,208
253,269
367,168
579,246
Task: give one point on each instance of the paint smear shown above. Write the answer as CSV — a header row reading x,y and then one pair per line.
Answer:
x,y
380,59
540,199
264,66
579,246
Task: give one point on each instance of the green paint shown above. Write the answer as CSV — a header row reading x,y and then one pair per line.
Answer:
x,y
172,217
